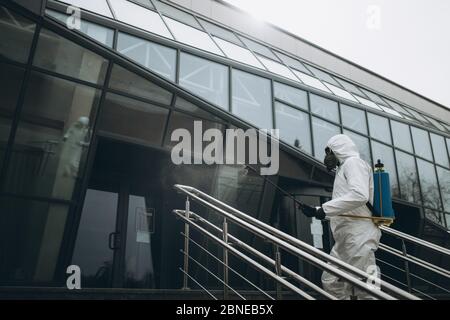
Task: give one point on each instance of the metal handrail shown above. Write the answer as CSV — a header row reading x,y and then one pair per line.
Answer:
x,y
417,241
293,245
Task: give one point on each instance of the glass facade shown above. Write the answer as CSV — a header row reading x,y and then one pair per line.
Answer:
x,y
58,97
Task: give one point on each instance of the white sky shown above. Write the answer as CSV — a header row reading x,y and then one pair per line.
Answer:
x,y
409,43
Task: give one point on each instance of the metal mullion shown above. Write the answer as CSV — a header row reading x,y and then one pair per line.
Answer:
x,y
308,96
422,202
138,98
290,105
111,9
437,180
369,137
209,34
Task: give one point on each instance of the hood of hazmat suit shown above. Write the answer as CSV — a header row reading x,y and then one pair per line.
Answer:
x,y
356,240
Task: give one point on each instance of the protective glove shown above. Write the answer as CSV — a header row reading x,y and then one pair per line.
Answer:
x,y
310,212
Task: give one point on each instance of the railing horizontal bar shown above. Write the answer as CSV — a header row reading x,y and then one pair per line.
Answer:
x,y
230,268
412,289
267,231
211,273
415,240
246,258
416,261
269,260
206,290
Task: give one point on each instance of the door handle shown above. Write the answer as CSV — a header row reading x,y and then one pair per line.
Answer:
x,y
113,240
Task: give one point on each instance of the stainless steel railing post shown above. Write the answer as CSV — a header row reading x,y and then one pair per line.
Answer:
x,y
278,270
408,275
186,247
225,260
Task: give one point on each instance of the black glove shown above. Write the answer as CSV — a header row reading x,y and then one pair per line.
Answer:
x,y
310,212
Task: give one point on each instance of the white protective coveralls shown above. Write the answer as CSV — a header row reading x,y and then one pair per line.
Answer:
x,y
356,240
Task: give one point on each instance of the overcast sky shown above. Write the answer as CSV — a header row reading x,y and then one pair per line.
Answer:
x,y
407,41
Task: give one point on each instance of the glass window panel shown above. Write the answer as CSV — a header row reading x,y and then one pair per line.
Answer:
x,y
238,53
354,118
153,56
448,145
322,132
444,184
192,36
145,3
291,95
292,62
52,138
277,68
34,231
322,75
252,99
184,105
294,127
311,81
139,17
401,136
390,111
98,6
367,103
60,55
341,92
434,216
177,14
436,123
374,97
439,150
407,175
10,83
324,107
446,126
386,155
421,143
148,121
428,184
101,34
379,128
131,83
418,116
362,143
350,87
397,107
220,32
259,48
207,79
16,34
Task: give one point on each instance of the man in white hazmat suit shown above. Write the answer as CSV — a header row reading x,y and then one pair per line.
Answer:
x,y
356,240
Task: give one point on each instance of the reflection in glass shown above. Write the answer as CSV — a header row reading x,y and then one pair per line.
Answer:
x,y
147,120
434,216
238,53
16,34
153,56
294,127
354,118
100,33
292,95
421,143
177,14
322,75
98,6
407,175
311,81
390,111
52,137
277,68
341,92
220,32
379,128
401,136
259,48
130,83
10,83
140,17
367,102
324,107
60,55
428,183
439,150
444,184
193,109
322,132
31,234
294,63
206,78
362,143
192,36
252,99
386,155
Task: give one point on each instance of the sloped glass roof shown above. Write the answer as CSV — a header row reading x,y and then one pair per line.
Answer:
x,y
183,26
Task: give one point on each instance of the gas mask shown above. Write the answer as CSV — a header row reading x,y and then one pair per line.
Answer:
x,y
330,160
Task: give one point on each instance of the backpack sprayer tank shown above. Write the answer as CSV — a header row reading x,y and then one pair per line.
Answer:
x,y
382,200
